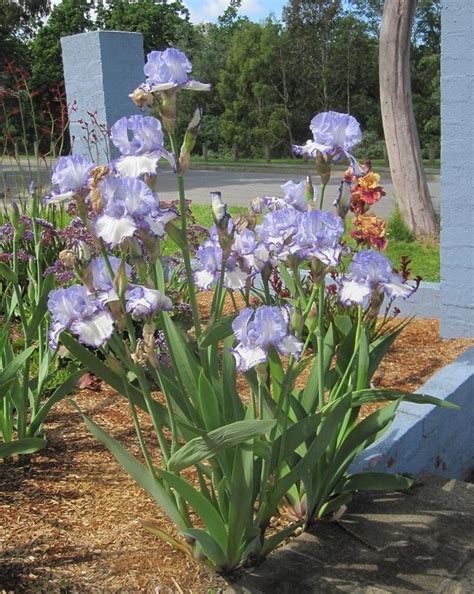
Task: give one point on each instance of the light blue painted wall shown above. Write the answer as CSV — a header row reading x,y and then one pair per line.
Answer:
x,y
457,168
101,68
425,438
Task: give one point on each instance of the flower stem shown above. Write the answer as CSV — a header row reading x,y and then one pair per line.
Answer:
x,y
185,250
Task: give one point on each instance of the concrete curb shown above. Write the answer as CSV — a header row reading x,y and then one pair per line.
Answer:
x,y
424,303
425,438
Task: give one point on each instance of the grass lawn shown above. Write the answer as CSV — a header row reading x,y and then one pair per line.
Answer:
x,y
423,254
228,161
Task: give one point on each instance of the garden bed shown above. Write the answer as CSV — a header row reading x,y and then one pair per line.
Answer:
x,y
69,520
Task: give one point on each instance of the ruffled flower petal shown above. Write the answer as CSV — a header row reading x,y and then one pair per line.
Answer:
x,y
94,331
114,230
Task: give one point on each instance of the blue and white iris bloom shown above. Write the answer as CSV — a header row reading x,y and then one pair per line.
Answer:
x,y
75,309
129,205
371,272
169,70
140,140
257,331
294,197
334,136
318,236
142,302
101,281
69,178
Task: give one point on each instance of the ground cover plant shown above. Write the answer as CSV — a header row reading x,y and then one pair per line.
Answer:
x,y
128,311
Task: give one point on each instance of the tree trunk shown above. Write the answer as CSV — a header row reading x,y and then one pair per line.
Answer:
x,y
403,145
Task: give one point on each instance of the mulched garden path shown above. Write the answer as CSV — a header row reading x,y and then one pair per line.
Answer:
x,y
69,519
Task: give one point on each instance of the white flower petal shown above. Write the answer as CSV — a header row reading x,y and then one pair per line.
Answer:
x,y
163,87
195,85
290,345
134,166
114,231
204,279
235,279
354,292
95,331
58,198
247,357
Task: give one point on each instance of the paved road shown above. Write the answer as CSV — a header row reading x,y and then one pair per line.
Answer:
x,y
239,187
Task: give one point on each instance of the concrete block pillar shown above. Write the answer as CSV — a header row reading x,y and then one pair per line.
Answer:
x,y
101,68
457,167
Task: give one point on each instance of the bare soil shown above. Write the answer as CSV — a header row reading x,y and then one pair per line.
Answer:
x,y
69,518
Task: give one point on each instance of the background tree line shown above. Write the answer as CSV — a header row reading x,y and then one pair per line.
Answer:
x,y
269,78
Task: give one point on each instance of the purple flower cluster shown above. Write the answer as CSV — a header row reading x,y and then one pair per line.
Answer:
x,y
309,234
370,272
246,258
258,330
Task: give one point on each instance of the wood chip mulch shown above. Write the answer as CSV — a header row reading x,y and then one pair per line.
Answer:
x,y
69,517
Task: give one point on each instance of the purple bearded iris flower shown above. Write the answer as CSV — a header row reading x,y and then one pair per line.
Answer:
x,y
318,236
371,272
101,281
142,302
258,330
334,136
75,309
169,70
141,153
69,178
277,231
129,205
294,197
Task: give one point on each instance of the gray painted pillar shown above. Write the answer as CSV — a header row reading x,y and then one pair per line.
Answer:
x,y
101,68
457,168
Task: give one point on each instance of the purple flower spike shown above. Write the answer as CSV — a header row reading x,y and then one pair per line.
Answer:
x,y
371,272
334,136
143,302
75,309
169,70
142,152
258,330
69,178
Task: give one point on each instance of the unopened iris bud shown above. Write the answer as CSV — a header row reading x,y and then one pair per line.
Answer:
x,y
309,189
121,279
343,200
82,252
318,271
167,109
323,165
312,319
219,210
189,141
297,322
